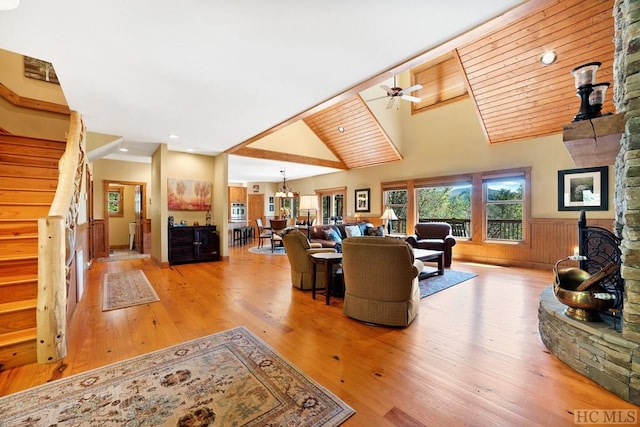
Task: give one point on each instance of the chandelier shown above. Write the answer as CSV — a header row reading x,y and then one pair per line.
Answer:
x,y
285,190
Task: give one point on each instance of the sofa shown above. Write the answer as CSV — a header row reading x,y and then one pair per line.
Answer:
x,y
298,251
381,280
319,233
435,236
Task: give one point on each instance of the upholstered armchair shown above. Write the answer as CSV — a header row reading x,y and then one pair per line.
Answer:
x,y
381,280
435,236
298,251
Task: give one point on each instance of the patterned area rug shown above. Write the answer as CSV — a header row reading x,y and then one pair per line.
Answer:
x,y
266,250
432,284
123,255
231,378
125,289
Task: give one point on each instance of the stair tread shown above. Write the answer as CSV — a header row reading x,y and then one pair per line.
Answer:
x,y
15,337
16,280
9,307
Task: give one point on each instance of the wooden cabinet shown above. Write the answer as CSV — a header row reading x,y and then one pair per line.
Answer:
x,y
237,195
193,244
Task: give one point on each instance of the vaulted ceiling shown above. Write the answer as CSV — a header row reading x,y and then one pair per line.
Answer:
x,y
515,95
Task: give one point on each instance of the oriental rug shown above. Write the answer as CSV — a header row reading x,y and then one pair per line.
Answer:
x,y
126,289
433,284
231,378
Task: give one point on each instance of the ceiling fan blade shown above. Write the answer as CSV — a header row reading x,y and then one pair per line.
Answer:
x,y
412,88
386,89
390,103
379,97
411,98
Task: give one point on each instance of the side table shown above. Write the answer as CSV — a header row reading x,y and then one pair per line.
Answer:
x,y
328,260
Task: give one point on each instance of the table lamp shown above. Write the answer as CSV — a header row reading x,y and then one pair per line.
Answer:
x,y
388,215
308,202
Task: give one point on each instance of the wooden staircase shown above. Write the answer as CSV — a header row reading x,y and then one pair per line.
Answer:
x,y
28,180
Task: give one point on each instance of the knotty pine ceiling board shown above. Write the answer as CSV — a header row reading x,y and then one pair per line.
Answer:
x,y
363,143
517,97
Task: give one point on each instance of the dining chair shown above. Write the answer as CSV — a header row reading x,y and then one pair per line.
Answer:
x,y
264,233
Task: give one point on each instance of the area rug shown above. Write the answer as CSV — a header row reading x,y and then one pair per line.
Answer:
x,y
231,378
123,255
266,250
432,284
126,289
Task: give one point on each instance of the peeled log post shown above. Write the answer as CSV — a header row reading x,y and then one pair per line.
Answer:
x,y
52,290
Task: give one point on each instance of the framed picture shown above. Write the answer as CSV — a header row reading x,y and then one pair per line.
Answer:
x,y
39,70
583,189
362,200
188,194
256,188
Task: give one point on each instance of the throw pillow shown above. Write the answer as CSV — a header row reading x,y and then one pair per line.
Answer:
x,y
352,230
375,231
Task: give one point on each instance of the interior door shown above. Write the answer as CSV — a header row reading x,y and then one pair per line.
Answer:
x,y
255,209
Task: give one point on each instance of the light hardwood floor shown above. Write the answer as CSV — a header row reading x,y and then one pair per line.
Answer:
x,y
473,355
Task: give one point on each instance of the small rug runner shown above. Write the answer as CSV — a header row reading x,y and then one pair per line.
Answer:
x,y
125,289
123,255
432,284
266,250
231,378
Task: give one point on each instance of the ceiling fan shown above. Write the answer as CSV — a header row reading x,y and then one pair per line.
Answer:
x,y
397,92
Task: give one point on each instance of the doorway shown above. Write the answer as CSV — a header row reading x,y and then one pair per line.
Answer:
x,y
126,227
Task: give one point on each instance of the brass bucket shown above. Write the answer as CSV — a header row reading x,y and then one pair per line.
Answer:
x,y
581,305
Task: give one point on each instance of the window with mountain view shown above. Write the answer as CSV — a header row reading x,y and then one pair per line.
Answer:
x,y
446,203
504,207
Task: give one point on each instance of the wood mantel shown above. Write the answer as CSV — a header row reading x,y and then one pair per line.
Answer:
x,y
594,142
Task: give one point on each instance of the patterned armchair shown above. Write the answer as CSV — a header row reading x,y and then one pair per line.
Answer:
x,y
435,236
298,250
381,280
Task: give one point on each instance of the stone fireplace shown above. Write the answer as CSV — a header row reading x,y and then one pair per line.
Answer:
x,y
611,357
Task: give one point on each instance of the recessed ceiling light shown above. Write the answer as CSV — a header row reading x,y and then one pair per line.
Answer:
x,y
548,58
9,4
189,150
340,129
124,149
173,136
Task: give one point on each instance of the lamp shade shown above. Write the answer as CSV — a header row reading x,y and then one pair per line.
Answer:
x,y
389,214
308,202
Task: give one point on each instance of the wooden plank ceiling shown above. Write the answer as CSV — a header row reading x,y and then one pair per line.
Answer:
x,y
362,142
516,96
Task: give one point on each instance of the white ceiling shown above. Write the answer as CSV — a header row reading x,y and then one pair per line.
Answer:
x,y
217,73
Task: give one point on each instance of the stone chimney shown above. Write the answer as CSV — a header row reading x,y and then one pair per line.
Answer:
x,y
626,71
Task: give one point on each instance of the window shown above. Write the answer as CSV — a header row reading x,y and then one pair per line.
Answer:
x,y
442,81
504,207
397,200
114,201
446,203
332,208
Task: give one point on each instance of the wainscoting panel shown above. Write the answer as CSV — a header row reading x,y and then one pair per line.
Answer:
x,y
549,241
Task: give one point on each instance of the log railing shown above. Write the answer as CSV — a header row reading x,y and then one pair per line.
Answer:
x,y
56,248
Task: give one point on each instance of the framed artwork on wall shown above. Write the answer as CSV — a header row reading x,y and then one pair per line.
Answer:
x,y
188,194
583,189
362,200
40,70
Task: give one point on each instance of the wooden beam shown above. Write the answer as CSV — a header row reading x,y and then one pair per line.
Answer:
x,y
259,153
594,142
